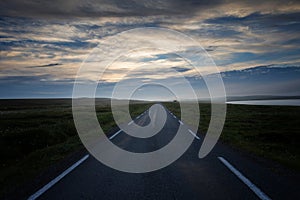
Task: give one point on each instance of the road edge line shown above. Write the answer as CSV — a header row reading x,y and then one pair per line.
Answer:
x,y
245,180
57,179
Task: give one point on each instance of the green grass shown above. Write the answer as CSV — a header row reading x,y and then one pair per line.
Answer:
x,y
272,132
269,131
35,134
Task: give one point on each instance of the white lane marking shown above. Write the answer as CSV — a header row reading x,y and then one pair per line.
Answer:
x,y
54,181
194,134
245,180
114,135
189,129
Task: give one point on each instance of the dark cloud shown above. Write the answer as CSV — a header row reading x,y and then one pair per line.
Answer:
x,y
287,22
280,55
92,8
218,31
211,48
181,69
64,44
122,8
48,65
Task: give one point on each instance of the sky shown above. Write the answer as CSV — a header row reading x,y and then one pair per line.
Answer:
x,y
255,45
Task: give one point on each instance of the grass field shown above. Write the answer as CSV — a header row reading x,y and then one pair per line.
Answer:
x,y
272,132
35,134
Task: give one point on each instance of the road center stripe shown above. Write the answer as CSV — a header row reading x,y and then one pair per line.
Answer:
x,y
114,135
194,134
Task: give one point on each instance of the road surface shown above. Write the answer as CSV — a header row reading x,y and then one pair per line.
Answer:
x,y
223,174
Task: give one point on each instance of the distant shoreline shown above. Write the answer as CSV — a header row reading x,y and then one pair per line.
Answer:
x,y
271,102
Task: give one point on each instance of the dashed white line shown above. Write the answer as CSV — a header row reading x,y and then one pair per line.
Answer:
x,y
194,134
245,180
114,135
54,181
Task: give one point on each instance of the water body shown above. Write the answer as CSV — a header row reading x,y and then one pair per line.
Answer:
x,y
282,102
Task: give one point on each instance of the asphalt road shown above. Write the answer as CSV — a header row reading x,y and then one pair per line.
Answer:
x,y
187,178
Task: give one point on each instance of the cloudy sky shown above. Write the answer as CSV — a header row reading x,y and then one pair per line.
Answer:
x,y
255,44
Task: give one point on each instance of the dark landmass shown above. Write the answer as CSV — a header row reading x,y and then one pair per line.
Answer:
x,y
37,133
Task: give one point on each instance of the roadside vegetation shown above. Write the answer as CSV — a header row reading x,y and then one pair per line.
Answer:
x,y
35,134
272,132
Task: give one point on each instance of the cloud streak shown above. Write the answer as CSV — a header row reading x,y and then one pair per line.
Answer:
x,y
47,65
